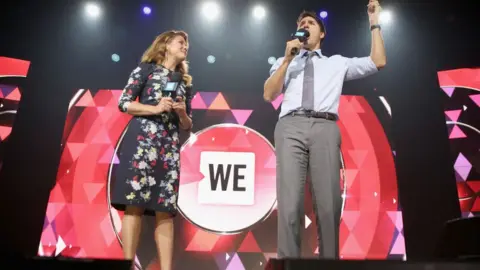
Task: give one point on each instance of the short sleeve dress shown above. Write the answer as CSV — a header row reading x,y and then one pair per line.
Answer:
x,y
149,170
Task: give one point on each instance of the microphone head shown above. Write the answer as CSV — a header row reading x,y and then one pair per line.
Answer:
x,y
301,34
174,81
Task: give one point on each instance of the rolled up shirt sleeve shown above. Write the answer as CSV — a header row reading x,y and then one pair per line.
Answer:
x,y
360,67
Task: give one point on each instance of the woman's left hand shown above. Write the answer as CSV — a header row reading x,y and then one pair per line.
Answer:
x,y
179,106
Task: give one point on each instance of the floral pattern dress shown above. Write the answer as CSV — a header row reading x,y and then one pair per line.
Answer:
x,y
149,169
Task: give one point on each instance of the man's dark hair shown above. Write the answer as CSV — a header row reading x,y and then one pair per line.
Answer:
x,y
314,16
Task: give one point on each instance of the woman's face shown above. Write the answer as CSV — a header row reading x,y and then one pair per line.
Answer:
x,y
178,48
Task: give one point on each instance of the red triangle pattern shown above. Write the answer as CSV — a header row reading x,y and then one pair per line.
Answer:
x,y
356,106
202,241
219,103
102,137
75,149
86,100
350,219
14,95
5,132
102,98
240,140
358,156
249,244
92,190
351,248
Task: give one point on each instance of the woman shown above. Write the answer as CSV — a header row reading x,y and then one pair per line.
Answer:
x,y
148,175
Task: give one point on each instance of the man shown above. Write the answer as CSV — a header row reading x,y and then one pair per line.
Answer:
x,y
307,138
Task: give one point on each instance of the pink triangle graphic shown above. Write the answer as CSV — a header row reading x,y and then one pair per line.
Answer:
x,y
242,115
272,162
350,219
453,115
476,99
351,246
448,90
358,156
457,133
107,157
396,218
276,103
102,137
198,103
76,149
240,140
399,245
92,190
463,172
235,263
350,175
462,161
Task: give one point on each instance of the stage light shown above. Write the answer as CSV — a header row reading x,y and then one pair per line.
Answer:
x,y
92,10
323,14
259,12
115,57
147,10
385,17
211,59
211,10
272,60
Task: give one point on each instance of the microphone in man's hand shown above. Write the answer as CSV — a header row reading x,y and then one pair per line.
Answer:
x,y
302,35
172,86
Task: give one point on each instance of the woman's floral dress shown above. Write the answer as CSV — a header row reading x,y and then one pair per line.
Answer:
x,y
149,169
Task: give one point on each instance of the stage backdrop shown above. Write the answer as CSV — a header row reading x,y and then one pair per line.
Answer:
x,y
239,230
462,111
10,94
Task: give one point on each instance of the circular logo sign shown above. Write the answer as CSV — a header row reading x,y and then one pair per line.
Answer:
x,y
227,178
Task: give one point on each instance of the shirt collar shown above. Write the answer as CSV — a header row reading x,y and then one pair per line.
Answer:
x,y
303,52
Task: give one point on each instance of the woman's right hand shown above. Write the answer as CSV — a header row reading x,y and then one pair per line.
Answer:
x,y
165,105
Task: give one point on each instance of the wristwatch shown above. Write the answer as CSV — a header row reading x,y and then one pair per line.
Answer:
x,y
373,26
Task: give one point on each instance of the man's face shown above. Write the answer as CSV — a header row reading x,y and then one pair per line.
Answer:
x,y
313,27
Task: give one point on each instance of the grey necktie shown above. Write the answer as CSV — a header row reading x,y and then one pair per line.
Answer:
x,y
307,96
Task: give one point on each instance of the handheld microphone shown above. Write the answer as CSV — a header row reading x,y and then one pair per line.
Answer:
x,y
302,35
172,87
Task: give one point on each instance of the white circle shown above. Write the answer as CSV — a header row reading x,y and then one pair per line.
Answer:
x,y
115,57
225,221
211,59
211,10
92,10
259,12
385,17
272,60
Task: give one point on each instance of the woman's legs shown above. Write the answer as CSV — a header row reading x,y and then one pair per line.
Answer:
x,y
164,239
131,228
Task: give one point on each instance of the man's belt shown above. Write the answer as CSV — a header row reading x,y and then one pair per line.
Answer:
x,y
314,114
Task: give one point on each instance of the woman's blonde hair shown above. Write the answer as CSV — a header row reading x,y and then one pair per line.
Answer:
x,y
156,53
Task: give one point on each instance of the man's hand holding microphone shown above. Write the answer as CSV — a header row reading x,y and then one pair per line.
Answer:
x,y
273,86
293,46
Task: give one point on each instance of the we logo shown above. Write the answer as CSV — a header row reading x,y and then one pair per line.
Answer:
x,y
229,178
